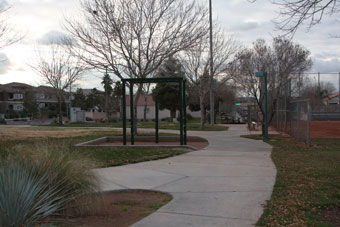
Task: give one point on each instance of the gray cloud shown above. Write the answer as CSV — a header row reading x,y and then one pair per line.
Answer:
x,y
246,26
4,63
54,37
326,66
4,4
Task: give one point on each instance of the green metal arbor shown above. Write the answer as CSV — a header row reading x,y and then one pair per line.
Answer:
x,y
183,122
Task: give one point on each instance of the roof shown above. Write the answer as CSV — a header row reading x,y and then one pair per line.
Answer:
x,y
15,87
141,100
87,91
334,95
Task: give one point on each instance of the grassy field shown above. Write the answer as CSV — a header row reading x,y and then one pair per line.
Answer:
x,y
191,125
307,188
15,140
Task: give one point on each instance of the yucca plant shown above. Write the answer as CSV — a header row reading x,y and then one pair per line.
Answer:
x,y
36,186
25,197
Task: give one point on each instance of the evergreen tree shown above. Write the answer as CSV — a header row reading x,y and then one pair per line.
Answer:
x,y
167,94
30,104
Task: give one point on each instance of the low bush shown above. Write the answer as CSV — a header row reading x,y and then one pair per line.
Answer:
x,y
2,121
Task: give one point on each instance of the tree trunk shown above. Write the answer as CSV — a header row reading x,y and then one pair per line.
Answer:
x,y
202,113
263,129
138,93
145,106
107,105
173,114
60,110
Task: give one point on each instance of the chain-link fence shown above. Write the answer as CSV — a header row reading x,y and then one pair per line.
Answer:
x,y
294,119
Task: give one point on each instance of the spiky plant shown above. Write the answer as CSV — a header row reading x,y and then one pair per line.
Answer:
x,y
25,196
37,185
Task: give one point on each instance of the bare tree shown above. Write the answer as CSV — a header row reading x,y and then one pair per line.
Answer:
x,y
59,69
196,63
134,37
8,35
281,61
294,13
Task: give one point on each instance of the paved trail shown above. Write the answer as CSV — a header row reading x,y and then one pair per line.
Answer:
x,y
224,184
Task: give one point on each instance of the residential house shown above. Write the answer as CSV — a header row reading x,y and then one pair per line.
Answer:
x,y
334,99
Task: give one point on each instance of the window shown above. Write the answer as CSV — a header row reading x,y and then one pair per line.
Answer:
x,y
18,96
18,107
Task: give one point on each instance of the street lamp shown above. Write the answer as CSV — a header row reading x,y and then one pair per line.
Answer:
x,y
212,88
265,74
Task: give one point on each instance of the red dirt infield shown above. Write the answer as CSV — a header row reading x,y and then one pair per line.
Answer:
x,y
325,129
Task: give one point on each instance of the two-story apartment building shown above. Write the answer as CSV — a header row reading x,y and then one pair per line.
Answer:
x,y
12,96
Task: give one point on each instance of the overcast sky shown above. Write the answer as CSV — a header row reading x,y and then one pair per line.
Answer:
x,y
41,21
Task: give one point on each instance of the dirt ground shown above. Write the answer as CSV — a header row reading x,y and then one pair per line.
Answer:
x,y
332,215
122,208
325,129
11,133
197,144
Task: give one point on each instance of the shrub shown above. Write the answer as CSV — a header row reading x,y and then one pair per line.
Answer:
x,y
60,175
2,121
113,119
188,117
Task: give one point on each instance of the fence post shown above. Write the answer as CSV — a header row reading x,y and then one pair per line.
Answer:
x,y
298,119
339,96
308,142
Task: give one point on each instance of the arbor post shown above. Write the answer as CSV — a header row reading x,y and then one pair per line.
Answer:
x,y
184,107
131,114
181,111
124,112
156,120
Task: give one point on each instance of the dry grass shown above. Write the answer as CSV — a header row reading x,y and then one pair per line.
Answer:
x,y
20,133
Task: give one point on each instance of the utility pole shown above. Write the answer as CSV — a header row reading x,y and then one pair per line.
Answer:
x,y
106,94
339,95
212,83
70,102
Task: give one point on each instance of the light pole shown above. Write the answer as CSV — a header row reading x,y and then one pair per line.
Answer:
x,y
265,74
106,85
212,87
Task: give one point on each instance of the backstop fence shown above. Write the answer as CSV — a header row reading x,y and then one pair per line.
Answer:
x,y
294,119
308,106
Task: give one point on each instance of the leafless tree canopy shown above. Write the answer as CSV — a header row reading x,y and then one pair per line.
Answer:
x,y
134,37
196,63
8,35
58,68
281,61
294,13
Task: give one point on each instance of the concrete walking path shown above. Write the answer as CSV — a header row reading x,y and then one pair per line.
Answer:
x,y
225,184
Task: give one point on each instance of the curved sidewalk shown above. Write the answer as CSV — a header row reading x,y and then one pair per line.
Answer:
x,y
224,184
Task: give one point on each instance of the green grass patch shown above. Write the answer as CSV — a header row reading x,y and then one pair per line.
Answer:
x,y
102,156
191,126
307,183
